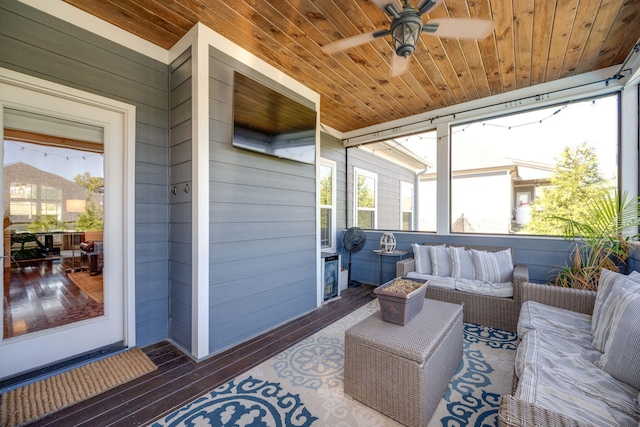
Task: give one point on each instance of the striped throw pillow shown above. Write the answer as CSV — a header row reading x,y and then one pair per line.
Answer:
x,y
422,258
606,285
440,262
493,267
607,310
461,263
620,358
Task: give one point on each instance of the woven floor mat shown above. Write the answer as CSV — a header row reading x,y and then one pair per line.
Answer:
x,y
34,401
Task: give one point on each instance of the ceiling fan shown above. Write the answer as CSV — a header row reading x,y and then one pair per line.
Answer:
x,y
406,27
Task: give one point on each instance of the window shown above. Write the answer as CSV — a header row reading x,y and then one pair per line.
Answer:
x,y
23,191
27,209
327,203
510,174
365,198
406,206
51,193
54,209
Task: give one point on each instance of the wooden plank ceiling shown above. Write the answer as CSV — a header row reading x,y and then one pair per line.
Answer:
x,y
535,41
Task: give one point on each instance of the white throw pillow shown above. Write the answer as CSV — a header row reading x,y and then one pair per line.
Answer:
x,y
620,358
494,267
440,263
606,284
461,263
422,257
607,309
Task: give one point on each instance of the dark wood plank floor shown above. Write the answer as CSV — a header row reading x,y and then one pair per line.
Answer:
x,y
179,379
39,296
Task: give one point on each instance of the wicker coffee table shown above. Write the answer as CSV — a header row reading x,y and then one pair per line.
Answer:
x,y
403,371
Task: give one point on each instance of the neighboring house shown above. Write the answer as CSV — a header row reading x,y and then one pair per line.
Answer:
x,y
489,193
32,192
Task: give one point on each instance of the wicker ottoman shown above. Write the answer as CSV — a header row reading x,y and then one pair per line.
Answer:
x,y
403,371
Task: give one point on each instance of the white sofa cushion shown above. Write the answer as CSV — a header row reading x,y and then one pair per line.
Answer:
x,y
440,262
422,257
435,281
621,353
496,267
567,324
503,290
563,377
461,263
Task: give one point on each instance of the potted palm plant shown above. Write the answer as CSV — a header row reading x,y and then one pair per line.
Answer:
x,y
602,238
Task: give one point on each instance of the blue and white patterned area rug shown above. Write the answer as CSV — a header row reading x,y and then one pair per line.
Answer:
x,y
303,386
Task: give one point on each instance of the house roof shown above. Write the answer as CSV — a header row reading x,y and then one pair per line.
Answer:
x,y
534,42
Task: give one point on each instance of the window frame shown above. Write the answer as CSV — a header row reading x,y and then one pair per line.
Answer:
x,y
356,173
447,135
333,208
404,186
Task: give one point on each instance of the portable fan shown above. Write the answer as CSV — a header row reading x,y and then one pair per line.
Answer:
x,y
353,241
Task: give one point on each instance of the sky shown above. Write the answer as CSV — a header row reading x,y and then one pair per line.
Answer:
x,y
541,135
60,161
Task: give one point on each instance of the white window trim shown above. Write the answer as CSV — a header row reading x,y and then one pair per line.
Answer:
x,y
409,186
567,89
357,172
334,168
628,166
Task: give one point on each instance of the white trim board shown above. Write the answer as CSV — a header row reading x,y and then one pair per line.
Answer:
x,y
95,25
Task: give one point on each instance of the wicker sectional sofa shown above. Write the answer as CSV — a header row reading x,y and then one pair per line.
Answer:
x,y
562,377
487,310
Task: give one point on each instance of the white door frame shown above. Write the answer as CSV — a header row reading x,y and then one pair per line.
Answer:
x,y
37,349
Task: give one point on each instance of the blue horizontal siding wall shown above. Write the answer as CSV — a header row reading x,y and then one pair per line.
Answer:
x,y
40,45
542,255
180,203
262,225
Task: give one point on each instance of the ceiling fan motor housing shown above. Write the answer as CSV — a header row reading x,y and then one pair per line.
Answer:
x,y
405,31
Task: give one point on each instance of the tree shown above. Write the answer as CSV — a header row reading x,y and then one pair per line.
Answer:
x,y
91,219
575,181
94,184
44,223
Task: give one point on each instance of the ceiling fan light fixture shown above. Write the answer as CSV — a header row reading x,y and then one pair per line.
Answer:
x,y
405,33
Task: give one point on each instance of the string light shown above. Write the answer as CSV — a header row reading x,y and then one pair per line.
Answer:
x,y
508,127
47,153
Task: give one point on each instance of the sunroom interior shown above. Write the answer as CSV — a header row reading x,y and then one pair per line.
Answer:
x,y
212,239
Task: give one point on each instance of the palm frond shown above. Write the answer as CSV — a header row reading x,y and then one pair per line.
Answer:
x,y
602,238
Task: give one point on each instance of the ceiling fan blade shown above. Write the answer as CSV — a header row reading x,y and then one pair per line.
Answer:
x,y
354,41
425,6
459,28
382,4
399,64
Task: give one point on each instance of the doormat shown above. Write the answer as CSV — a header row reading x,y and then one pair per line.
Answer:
x,y
91,285
34,401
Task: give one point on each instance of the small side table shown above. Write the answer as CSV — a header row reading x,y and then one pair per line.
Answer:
x,y
380,253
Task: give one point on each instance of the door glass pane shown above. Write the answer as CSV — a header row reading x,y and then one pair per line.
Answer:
x,y
53,227
326,185
407,220
365,219
325,227
366,191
